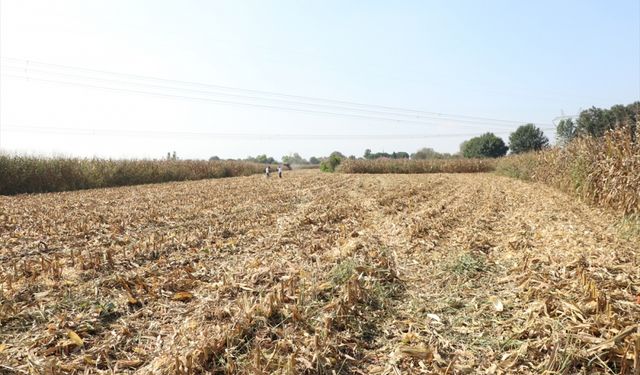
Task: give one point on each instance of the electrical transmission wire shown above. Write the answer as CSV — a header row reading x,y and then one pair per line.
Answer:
x,y
287,102
244,136
28,65
236,103
143,85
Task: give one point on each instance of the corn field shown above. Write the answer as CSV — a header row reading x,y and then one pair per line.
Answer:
x,y
383,165
603,171
25,174
317,273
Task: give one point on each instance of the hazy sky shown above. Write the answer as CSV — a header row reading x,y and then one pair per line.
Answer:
x,y
513,60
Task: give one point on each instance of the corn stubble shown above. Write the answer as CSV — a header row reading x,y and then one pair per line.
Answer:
x,y
316,274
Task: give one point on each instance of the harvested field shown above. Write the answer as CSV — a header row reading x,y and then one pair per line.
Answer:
x,y
317,273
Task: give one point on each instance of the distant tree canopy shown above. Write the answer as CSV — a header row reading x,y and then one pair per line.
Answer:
x,y
294,159
596,121
314,160
487,145
429,153
394,155
527,138
565,131
214,158
338,155
264,159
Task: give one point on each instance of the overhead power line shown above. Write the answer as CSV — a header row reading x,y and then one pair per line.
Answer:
x,y
417,117
243,136
555,120
28,65
236,103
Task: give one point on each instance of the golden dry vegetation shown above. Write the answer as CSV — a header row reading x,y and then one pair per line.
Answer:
x,y
604,171
317,273
33,174
384,165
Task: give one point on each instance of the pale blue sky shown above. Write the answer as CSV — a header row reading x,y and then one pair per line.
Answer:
x,y
522,61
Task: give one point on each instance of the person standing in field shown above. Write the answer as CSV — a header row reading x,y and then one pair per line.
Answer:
x,y
267,171
280,171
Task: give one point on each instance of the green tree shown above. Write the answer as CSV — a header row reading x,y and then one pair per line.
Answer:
x,y
626,116
565,131
263,159
314,160
294,159
527,138
595,122
400,155
487,145
426,153
376,155
337,154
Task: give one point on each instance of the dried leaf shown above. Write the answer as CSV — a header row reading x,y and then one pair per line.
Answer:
x,y
131,299
409,338
89,360
75,338
418,352
182,296
140,351
497,303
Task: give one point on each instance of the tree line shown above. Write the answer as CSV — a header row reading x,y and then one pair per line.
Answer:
x,y
591,122
596,122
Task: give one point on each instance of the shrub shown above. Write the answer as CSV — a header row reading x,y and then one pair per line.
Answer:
x,y
331,163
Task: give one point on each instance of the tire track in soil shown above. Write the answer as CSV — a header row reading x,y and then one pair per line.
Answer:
x,y
454,276
447,211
